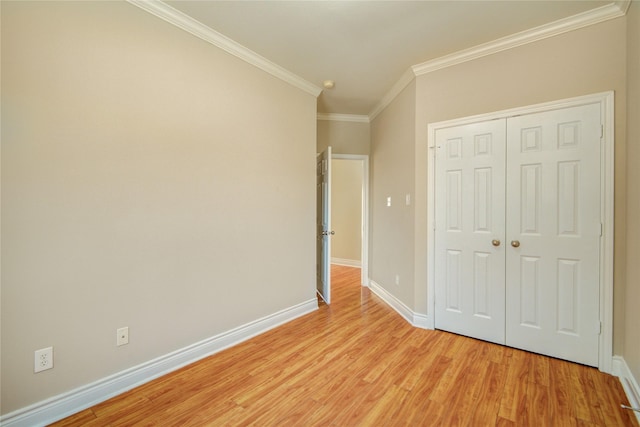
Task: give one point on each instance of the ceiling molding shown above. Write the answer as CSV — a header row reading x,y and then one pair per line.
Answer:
x,y
623,5
343,117
594,16
590,17
404,81
198,29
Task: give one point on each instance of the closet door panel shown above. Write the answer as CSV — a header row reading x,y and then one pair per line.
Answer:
x,y
470,225
553,233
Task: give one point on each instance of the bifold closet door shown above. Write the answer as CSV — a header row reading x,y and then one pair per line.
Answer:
x,y
517,239
553,233
470,202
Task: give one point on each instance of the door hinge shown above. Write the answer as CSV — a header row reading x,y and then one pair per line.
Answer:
x,y
601,131
598,328
601,229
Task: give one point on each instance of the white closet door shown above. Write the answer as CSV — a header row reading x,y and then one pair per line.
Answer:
x,y
470,188
553,233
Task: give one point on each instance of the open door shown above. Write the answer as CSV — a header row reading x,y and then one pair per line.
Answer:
x,y
323,225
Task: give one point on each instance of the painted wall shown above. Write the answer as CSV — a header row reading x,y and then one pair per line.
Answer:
x,y
143,171
344,137
580,62
346,209
632,292
391,238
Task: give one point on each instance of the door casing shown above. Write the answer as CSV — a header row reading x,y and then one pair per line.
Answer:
x,y
606,100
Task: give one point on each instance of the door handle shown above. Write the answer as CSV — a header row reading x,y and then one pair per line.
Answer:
x,y
495,242
515,243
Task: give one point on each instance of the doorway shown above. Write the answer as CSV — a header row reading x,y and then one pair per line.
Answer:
x,y
350,189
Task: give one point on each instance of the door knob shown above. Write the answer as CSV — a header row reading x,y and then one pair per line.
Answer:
x,y
495,242
515,243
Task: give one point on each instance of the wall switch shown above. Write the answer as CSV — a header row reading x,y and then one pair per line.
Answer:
x,y
407,199
43,359
397,279
122,336
388,201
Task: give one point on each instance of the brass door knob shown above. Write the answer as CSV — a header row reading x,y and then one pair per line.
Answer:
x,y
515,243
495,242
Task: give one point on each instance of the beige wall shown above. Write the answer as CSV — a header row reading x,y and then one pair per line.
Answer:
x,y
143,171
346,209
344,137
580,62
391,238
632,293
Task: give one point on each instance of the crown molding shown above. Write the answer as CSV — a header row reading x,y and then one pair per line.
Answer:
x,y
404,81
343,117
584,19
198,29
594,16
623,5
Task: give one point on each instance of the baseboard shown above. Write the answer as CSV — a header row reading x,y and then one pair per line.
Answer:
x,y
422,321
63,405
346,262
415,319
629,382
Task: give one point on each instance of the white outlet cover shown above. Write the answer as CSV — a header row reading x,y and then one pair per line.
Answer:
x,y
122,336
43,359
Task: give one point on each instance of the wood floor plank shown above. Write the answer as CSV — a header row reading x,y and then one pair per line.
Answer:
x,y
356,362
540,370
488,403
466,403
561,409
581,405
384,408
423,390
537,413
81,418
513,400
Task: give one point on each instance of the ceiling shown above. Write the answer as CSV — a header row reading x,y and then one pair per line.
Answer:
x,y
366,46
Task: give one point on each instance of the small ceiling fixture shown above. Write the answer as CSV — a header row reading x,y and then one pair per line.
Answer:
x,y
328,84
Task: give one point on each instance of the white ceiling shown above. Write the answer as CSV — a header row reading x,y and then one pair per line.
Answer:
x,y
366,46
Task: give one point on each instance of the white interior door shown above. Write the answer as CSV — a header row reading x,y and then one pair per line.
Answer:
x,y
530,279
323,225
553,230
470,200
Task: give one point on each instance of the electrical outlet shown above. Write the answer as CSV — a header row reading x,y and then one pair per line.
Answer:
x,y
122,336
43,359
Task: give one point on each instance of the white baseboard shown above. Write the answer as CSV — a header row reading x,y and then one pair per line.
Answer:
x,y
346,262
63,405
415,319
422,321
629,382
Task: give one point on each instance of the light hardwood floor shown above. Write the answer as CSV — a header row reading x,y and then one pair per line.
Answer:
x,y
358,363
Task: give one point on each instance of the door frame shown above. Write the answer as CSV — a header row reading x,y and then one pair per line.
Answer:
x,y
606,101
364,251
